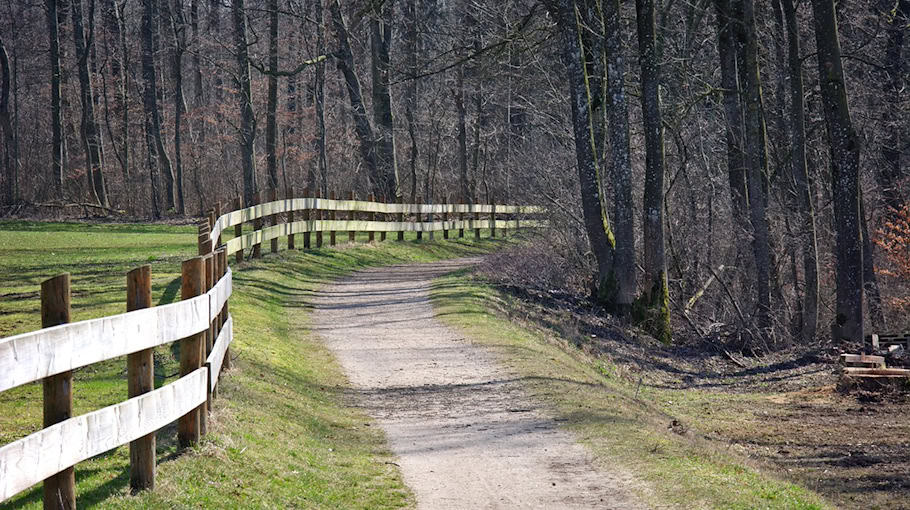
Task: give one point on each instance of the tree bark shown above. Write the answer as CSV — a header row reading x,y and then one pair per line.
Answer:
x,y
271,127
462,136
890,175
620,166
756,153
57,151
116,37
801,183
178,21
158,158
655,293
410,90
10,154
362,127
845,150
386,181
319,93
582,102
247,133
88,128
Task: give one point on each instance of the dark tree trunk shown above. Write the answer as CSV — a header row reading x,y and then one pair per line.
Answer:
x,y
364,130
655,293
757,167
386,181
247,133
844,144
10,154
57,142
271,127
179,26
319,99
462,136
88,128
410,90
582,102
116,37
620,166
801,184
158,158
890,175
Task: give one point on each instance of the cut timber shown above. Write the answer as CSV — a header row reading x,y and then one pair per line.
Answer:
x,y
876,372
863,360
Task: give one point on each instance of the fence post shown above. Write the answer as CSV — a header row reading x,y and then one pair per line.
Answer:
x,y
307,193
224,312
140,370
238,228
257,225
461,219
419,219
59,489
476,221
319,216
191,285
289,197
445,219
332,216
371,216
385,217
217,215
352,216
272,195
431,218
492,218
400,218
206,347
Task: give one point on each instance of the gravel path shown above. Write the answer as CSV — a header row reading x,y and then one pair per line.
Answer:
x,y
465,434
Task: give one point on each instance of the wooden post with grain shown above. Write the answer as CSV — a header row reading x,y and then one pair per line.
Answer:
x,y
140,375
224,312
385,217
257,225
492,218
273,219
238,228
289,196
419,219
332,217
401,219
307,193
476,222
217,215
59,489
352,216
319,216
191,285
445,219
206,346
371,216
461,220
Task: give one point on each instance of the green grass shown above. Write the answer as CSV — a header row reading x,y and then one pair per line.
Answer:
x,y
623,424
281,435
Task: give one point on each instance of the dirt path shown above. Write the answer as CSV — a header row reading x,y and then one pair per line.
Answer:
x,y
465,434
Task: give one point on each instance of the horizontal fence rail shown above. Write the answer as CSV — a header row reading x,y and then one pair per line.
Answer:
x,y
200,322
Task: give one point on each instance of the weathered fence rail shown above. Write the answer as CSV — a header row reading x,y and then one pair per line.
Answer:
x,y
200,322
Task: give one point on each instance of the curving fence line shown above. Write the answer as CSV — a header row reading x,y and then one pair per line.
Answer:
x,y
200,322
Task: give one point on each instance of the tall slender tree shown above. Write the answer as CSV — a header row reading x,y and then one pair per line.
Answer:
x,y
386,180
271,116
247,132
655,292
57,141
845,151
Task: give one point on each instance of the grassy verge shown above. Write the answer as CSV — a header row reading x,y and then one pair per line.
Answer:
x,y
622,423
281,434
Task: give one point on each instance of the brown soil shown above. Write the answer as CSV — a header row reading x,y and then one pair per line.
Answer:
x,y
465,434
790,410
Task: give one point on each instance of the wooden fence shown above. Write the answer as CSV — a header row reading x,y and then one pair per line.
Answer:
x,y
200,322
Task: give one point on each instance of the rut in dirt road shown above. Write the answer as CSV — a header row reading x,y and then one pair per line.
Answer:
x,y
465,434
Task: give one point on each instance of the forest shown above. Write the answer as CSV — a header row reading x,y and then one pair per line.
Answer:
x,y
729,170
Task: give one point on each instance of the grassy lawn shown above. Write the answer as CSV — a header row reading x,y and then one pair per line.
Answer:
x,y
280,436
623,424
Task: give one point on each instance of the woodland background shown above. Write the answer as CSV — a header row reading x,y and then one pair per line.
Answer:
x,y
695,166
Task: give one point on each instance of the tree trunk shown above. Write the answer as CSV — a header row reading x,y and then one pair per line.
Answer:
x,y
844,145
386,181
247,133
582,102
410,90
890,175
361,122
158,158
870,280
655,293
10,154
620,166
801,184
757,168
271,128
462,135
57,151
179,27
88,128
116,37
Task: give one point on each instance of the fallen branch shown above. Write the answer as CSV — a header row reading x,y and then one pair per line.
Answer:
x,y
84,205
